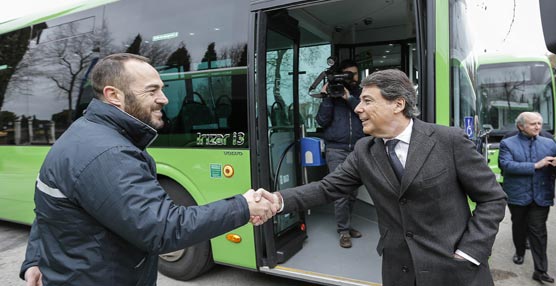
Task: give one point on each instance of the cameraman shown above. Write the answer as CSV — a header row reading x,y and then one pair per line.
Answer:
x,y
342,128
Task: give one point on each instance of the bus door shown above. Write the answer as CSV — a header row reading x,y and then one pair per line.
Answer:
x,y
279,129
292,42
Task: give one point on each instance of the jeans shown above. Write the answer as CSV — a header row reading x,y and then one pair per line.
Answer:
x,y
342,207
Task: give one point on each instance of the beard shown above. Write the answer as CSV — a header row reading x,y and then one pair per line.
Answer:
x,y
135,109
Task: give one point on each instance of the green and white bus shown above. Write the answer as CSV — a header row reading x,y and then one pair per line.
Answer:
x,y
237,75
508,85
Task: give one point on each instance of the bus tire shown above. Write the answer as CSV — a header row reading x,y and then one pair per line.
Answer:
x,y
190,262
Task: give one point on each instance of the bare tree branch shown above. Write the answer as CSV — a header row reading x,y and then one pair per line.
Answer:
x,y
511,24
58,83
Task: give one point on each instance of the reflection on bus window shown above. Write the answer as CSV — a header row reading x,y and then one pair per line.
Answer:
x,y
465,101
200,108
43,78
510,87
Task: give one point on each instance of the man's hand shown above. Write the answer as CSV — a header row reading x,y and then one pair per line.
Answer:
x,y
548,160
346,94
323,91
552,161
33,276
275,198
261,209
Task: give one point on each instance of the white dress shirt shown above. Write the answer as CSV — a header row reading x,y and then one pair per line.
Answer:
x,y
402,147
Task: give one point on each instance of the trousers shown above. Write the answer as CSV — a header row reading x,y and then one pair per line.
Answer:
x,y
530,222
342,207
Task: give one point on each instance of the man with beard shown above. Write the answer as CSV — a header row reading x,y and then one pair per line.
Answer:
x,y
342,128
101,216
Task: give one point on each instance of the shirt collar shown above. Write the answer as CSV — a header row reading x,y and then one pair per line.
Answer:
x,y
405,136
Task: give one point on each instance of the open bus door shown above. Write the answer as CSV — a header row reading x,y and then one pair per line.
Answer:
x,y
292,41
278,115
289,246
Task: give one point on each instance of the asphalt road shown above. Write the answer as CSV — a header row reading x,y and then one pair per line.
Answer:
x,y
13,239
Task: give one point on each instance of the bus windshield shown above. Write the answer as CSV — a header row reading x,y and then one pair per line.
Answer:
x,y
507,89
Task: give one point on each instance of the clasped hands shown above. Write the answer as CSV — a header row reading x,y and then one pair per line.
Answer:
x,y
263,205
548,160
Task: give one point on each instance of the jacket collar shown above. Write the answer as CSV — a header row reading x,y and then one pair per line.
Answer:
x,y
139,133
522,136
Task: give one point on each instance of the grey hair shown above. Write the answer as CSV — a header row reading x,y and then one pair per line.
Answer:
x,y
520,120
394,84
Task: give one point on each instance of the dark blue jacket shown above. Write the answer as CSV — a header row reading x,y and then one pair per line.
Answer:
x,y
522,183
101,216
342,126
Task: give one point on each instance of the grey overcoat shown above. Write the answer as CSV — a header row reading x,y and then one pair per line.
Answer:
x,y
424,219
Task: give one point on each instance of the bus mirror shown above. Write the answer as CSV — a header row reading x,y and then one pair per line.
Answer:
x,y
488,127
548,10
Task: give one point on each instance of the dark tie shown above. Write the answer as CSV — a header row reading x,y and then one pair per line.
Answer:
x,y
394,161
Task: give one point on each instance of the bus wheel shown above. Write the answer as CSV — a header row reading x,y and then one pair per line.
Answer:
x,y
190,262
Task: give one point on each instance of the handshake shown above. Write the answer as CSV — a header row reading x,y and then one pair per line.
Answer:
x,y
263,205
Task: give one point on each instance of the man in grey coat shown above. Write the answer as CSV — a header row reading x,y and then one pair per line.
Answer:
x,y
102,218
419,176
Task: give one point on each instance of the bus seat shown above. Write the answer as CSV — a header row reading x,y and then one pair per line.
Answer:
x,y
194,115
223,110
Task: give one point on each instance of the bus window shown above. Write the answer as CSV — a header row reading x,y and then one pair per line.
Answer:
x,y
216,104
462,65
464,101
509,86
312,61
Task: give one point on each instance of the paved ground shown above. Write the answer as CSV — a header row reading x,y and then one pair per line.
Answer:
x,y
505,272
13,239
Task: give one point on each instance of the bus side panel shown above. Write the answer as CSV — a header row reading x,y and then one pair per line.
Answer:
x,y
442,65
493,164
210,171
19,167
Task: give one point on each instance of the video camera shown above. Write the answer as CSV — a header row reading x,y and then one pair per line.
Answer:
x,y
337,81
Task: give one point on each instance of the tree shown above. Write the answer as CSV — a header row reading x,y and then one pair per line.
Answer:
x,y
180,58
135,47
279,106
156,52
64,57
6,117
12,51
210,55
236,54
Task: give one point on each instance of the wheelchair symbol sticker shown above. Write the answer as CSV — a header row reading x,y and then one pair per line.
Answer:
x,y
468,124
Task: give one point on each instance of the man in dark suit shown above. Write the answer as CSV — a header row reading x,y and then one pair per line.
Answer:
x,y
428,235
